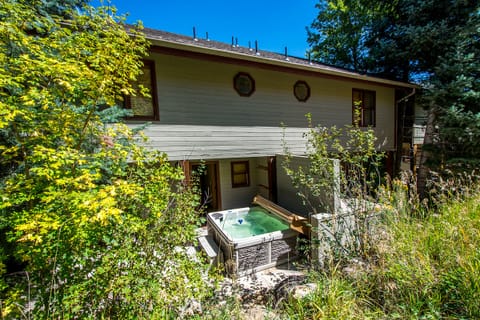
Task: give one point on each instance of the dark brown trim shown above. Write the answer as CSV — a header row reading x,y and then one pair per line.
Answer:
x,y
363,91
272,178
216,164
238,80
259,65
153,92
247,173
296,93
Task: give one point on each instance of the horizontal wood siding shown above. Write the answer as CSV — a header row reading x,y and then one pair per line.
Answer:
x,y
194,142
202,117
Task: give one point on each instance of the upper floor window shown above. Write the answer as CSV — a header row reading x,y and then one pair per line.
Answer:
x,y
363,108
144,107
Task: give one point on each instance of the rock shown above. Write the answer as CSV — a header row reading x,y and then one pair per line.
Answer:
x,y
301,291
256,312
193,307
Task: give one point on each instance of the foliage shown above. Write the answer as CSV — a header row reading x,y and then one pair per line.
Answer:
x,y
433,43
340,33
454,97
426,267
429,267
336,297
344,188
98,223
388,38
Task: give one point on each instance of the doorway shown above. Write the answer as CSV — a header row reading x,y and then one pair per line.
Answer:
x,y
209,183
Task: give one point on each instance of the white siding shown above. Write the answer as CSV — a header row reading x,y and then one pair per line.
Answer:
x,y
181,142
235,197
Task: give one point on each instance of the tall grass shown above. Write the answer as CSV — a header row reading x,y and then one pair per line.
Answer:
x,y
425,264
432,268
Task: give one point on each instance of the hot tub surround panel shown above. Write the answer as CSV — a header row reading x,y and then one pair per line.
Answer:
x,y
247,255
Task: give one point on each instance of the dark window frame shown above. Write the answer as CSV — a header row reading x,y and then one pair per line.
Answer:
x,y
362,120
296,92
237,85
245,173
153,93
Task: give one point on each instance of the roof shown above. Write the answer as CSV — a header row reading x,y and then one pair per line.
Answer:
x,y
215,48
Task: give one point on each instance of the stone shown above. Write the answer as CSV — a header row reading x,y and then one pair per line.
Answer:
x,y
301,291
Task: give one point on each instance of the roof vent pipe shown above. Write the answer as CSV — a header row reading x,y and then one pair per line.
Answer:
x,y
286,54
256,48
206,36
236,42
195,34
233,43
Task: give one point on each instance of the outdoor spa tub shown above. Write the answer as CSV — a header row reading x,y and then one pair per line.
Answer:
x,y
252,239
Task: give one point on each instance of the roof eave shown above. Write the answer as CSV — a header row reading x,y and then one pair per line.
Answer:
x,y
275,62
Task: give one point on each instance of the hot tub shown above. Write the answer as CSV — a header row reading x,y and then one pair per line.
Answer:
x,y
252,239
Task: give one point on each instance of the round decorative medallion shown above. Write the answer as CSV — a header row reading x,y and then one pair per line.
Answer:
x,y
301,90
244,84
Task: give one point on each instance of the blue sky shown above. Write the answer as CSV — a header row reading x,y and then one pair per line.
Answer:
x,y
274,24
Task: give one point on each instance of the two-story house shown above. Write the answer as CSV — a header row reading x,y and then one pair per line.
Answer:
x,y
224,105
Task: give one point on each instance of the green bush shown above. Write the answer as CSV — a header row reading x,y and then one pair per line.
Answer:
x,y
97,223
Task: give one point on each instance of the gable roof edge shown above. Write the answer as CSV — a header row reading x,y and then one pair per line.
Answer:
x,y
218,49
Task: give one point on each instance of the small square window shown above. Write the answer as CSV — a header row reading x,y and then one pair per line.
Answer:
x,y
240,174
363,108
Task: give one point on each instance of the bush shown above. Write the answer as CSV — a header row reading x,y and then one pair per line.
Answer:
x,y
96,224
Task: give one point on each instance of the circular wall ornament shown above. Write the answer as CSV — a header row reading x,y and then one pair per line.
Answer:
x,y
244,84
301,90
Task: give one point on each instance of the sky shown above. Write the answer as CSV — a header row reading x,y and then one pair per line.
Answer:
x,y
274,24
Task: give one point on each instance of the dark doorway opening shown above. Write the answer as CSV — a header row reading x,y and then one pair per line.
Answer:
x,y
209,184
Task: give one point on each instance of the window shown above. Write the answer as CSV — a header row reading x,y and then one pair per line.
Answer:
x,y
144,108
244,84
240,174
301,91
363,108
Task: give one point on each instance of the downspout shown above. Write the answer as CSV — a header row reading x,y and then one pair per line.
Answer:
x,y
414,90
397,147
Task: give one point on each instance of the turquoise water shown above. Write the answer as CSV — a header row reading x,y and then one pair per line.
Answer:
x,y
257,221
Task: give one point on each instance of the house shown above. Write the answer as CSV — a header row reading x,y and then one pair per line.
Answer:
x,y
224,105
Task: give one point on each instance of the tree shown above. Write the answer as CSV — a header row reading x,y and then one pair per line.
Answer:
x,y
346,195
448,59
343,32
337,36
433,43
96,221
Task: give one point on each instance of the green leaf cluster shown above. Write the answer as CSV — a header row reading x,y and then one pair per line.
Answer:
x,y
94,225
432,43
321,186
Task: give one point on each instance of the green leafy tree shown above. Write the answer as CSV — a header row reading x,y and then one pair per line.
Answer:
x,y
434,43
338,34
343,32
97,222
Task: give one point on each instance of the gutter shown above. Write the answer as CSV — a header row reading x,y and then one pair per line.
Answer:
x,y
414,90
212,51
